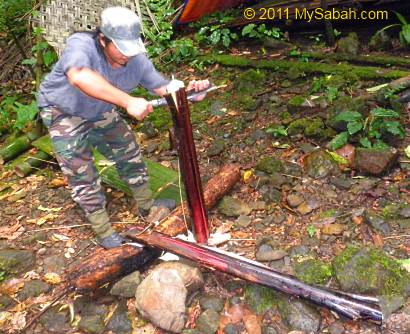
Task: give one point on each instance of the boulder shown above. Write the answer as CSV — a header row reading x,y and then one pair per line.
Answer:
x,y
127,286
349,45
375,161
319,164
16,261
380,41
269,165
233,207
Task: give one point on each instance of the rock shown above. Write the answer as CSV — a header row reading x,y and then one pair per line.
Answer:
x,y
300,250
237,328
211,302
208,322
216,148
243,221
390,304
375,161
269,330
266,253
258,205
403,223
93,324
259,298
127,286
380,41
313,271
55,321
148,129
249,80
299,315
336,328
347,152
270,194
292,168
233,207
307,207
279,218
307,148
319,164
16,261
341,182
162,294
405,212
120,322
369,270
294,200
151,148
269,165
54,264
398,323
33,288
376,221
259,135
333,229
299,103
349,45
277,180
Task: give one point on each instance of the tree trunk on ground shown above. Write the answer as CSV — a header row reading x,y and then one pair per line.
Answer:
x,y
105,266
18,146
31,163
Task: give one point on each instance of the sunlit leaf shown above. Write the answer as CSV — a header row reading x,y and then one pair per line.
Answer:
x,y
52,278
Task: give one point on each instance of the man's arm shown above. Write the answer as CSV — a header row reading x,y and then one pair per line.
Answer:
x,y
93,84
192,85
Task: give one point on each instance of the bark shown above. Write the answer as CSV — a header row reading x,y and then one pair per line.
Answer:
x,y
105,266
18,146
351,306
31,163
189,163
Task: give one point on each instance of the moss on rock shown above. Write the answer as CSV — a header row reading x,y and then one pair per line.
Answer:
x,y
315,128
369,270
270,165
260,298
249,81
313,271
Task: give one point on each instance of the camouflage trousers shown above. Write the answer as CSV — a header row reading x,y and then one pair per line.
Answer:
x,y
73,140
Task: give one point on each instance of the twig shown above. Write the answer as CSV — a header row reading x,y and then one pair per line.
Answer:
x,y
398,236
57,228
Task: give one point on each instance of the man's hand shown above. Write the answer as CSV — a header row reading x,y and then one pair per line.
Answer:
x,y
138,107
198,86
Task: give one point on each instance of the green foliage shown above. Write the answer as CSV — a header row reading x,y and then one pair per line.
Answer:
x,y
6,112
2,275
331,86
25,114
11,12
181,50
404,34
371,130
311,231
259,32
302,56
216,35
277,131
48,55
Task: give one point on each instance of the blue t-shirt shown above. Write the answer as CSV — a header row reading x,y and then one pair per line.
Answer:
x,y
82,51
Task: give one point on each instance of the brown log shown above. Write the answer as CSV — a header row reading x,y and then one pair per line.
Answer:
x,y
105,266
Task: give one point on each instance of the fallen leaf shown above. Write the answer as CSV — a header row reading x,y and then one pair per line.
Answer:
x,y
59,237
11,232
11,286
247,175
377,240
252,323
333,229
19,321
52,278
58,182
42,208
357,220
40,221
31,275
4,318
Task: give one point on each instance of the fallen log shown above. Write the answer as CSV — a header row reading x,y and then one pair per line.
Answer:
x,y
350,306
362,72
105,266
18,146
31,163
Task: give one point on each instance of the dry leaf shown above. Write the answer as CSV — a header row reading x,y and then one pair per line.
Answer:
x,y
247,175
42,208
4,318
11,232
58,182
12,286
19,321
252,324
377,240
40,221
31,275
59,237
52,278
357,220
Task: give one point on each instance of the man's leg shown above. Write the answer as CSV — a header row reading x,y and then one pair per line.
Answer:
x,y
70,137
120,146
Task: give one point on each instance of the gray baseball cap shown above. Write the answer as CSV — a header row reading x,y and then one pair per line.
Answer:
x,y
123,27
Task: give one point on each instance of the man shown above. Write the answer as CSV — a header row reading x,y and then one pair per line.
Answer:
x,y
95,72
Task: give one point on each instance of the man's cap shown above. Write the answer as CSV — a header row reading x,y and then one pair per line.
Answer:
x,y
123,27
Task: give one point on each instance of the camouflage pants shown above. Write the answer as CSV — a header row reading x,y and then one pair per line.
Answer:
x,y
73,140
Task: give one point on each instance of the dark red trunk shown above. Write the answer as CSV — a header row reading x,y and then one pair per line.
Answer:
x,y
189,164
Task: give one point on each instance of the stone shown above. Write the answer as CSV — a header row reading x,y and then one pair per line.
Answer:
x,y
162,294
333,229
299,315
258,205
211,302
55,321
243,221
341,182
292,168
277,180
307,207
377,222
349,45
216,148
33,288
403,223
259,298
127,286
313,271
375,161
370,271
259,135
276,44
307,148
405,212
120,322
234,328
336,328
233,207
266,253
208,322
151,148
269,165
279,218
320,164
148,129
16,261
269,330
294,200
93,324
390,304
299,250
270,194
54,264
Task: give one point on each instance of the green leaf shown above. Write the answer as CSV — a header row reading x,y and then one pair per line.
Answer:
x,y
354,127
338,158
382,112
405,33
215,37
380,144
348,116
407,151
365,142
49,58
29,61
311,231
340,140
395,128
405,263
277,131
374,133
248,28
401,18
24,114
